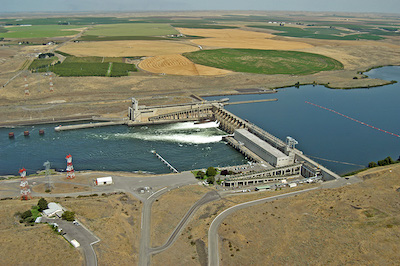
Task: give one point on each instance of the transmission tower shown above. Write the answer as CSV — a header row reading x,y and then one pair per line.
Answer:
x,y
70,167
26,87
47,172
25,190
51,83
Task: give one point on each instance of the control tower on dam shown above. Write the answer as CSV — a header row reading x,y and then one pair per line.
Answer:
x,y
276,159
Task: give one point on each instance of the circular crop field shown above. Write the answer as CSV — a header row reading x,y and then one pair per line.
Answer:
x,y
265,61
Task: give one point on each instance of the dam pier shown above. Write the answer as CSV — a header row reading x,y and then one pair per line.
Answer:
x,y
274,159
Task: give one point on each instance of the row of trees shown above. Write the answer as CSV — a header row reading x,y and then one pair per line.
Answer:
x,y
387,161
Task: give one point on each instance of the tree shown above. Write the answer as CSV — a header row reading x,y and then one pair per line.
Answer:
x,y
372,164
42,204
68,215
200,174
211,179
211,171
26,214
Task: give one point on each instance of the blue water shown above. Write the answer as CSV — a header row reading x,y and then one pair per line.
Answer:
x,y
117,148
186,146
324,134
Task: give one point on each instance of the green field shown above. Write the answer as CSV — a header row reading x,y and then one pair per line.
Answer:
x,y
318,33
265,61
88,66
45,31
132,29
42,63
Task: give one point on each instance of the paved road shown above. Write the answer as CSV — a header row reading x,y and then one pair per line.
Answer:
x,y
81,234
213,250
208,197
168,182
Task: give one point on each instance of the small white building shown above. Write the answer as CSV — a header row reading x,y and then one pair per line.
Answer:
x,y
75,243
54,209
107,180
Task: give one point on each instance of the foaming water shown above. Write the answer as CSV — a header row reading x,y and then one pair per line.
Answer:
x,y
179,138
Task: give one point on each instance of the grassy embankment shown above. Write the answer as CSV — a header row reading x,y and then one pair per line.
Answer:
x,y
265,61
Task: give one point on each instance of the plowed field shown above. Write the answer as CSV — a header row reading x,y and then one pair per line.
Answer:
x,y
127,48
178,65
234,38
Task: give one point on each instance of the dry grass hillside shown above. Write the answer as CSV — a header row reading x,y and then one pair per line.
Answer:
x,y
358,224
115,219
31,245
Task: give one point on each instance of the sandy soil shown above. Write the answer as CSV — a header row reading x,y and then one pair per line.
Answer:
x,y
31,245
178,65
234,38
127,48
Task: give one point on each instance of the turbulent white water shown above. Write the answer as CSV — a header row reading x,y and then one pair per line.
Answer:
x,y
187,132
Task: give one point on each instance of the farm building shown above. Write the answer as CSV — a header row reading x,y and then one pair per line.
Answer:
x,y
103,181
54,209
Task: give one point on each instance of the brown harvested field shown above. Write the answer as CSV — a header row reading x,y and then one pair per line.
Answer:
x,y
31,245
358,224
127,48
168,210
234,38
115,219
178,65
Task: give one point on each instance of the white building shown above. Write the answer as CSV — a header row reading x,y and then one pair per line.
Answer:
x,y
103,181
262,148
54,209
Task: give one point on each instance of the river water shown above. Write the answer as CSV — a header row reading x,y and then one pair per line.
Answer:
x,y
320,133
325,134
185,146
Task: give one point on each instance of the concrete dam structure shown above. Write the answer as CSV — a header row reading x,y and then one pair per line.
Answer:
x,y
275,159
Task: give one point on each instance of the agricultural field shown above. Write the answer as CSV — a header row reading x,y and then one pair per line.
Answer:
x,y
178,65
235,38
42,31
132,29
127,48
86,66
42,63
265,61
319,33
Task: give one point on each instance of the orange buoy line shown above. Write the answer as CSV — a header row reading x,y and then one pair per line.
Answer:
x,y
355,120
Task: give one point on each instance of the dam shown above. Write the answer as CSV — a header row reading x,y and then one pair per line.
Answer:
x,y
274,158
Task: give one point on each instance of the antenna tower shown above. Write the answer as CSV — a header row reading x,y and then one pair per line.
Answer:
x,y
70,167
25,190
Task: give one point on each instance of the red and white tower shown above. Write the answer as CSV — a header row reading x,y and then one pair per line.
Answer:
x,y
51,83
25,190
70,167
26,87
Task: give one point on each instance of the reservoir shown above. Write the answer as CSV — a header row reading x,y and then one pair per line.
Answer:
x,y
325,134
321,134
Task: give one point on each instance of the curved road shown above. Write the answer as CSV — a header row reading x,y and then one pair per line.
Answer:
x,y
208,197
213,250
